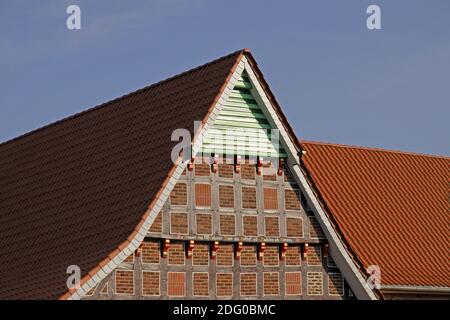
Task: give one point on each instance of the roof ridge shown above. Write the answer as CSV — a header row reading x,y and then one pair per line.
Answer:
x,y
342,145
127,95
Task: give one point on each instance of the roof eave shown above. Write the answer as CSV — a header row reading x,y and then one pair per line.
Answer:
x,y
404,289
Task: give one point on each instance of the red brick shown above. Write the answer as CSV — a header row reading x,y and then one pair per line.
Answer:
x,y
204,223
124,282
176,284
200,254
270,199
271,226
294,227
248,255
202,169
226,196
150,283
225,254
224,284
178,196
315,283
271,283
226,170
150,252
227,225
202,195
200,283
248,284
249,197
271,255
292,199
335,284
178,223
293,255
157,224
250,225
176,253
293,283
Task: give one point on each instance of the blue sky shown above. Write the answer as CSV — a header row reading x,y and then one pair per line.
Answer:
x,y
336,80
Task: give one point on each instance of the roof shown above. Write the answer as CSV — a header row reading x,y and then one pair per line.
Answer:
x,y
392,208
73,191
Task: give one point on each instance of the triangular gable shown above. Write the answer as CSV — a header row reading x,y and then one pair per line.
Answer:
x,y
245,76
241,128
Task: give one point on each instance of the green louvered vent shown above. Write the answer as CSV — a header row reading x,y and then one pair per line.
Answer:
x,y
241,128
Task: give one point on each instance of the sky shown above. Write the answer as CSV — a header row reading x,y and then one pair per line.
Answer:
x,y
336,80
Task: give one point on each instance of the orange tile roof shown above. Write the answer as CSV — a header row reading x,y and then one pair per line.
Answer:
x,y
392,208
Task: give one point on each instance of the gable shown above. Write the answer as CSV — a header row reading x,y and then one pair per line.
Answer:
x,y
261,93
241,128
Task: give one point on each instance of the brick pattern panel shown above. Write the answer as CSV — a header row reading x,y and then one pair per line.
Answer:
x,y
315,231
204,223
271,283
292,199
250,225
335,284
200,283
176,284
271,226
269,173
202,195
248,171
202,169
248,284
200,254
294,227
176,253
271,256
226,196
178,223
227,225
178,196
315,283
150,283
226,170
293,256
157,224
129,259
248,255
249,197
225,255
224,284
314,256
293,282
150,252
270,199
125,282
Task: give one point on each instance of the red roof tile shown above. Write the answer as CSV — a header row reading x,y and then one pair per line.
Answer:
x,y
73,191
392,208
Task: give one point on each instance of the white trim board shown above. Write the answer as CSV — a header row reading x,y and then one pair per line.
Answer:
x,y
337,249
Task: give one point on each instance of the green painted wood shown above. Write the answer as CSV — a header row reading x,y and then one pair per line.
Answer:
x,y
241,128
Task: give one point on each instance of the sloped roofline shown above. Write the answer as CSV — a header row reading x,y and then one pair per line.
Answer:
x,y
351,146
134,240
244,60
